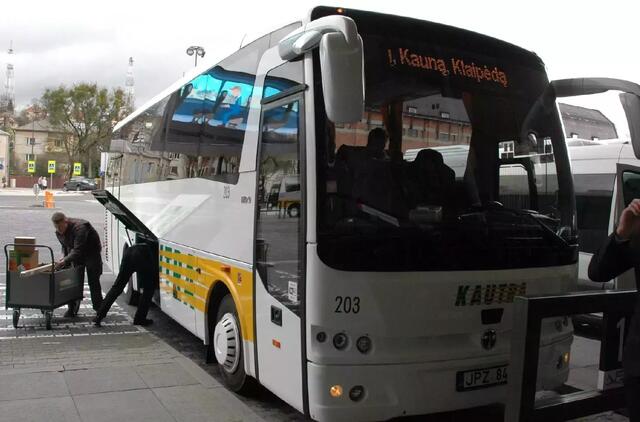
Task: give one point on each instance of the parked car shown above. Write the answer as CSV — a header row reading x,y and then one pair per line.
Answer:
x,y
79,183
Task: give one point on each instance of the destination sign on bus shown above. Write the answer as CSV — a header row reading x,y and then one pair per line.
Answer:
x,y
455,66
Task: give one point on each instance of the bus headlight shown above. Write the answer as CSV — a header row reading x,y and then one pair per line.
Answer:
x,y
340,341
364,344
563,360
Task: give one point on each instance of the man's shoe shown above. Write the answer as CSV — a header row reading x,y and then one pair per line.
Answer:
x,y
96,321
143,322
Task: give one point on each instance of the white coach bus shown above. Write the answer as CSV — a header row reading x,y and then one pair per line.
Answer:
x,y
388,292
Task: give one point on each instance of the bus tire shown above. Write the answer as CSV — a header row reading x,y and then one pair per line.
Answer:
x,y
294,210
226,344
133,295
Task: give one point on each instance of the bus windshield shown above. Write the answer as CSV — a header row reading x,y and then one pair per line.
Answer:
x,y
448,169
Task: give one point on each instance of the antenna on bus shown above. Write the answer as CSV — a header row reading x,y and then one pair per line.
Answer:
x,y
242,40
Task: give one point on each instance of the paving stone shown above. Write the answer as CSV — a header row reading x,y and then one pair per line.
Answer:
x,y
35,385
102,380
195,404
59,409
135,405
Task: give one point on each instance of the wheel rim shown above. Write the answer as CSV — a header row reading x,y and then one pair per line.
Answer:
x,y
226,343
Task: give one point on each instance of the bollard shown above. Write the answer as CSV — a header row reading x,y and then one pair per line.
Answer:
x,y
49,202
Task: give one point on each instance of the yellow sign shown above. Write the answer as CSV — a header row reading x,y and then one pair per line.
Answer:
x,y
77,169
31,166
52,166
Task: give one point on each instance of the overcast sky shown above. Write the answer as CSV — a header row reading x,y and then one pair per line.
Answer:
x,y
64,42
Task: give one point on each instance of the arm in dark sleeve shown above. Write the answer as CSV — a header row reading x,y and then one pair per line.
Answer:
x,y
81,234
611,260
60,239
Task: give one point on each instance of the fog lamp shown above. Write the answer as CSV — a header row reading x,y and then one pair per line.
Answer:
x,y
340,341
335,391
363,344
356,393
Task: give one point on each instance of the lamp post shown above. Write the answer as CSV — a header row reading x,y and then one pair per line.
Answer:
x,y
197,51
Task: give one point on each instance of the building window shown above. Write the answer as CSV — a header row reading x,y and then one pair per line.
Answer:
x,y
444,115
595,138
58,143
30,157
574,135
412,110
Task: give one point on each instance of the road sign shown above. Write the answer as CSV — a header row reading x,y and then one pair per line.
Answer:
x,y
77,169
31,166
52,166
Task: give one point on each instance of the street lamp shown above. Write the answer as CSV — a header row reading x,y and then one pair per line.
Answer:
x,y
197,50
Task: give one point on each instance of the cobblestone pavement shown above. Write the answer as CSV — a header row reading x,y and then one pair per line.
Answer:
x,y
32,323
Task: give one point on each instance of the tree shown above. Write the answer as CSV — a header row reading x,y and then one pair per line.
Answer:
x,y
87,114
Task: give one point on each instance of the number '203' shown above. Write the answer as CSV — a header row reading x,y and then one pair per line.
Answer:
x,y
347,304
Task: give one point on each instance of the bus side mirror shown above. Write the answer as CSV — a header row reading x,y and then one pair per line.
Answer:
x,y
631,105
629,98
341,63
342,71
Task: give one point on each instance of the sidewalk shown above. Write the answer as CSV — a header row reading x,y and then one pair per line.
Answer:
x,y
29,192
118,372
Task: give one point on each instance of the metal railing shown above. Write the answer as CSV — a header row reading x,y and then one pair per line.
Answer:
x,y
616,308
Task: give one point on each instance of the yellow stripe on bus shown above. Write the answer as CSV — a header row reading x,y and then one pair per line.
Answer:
x,y
195,287
182,295
237,280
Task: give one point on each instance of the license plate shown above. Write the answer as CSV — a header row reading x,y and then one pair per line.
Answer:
x,y
481,378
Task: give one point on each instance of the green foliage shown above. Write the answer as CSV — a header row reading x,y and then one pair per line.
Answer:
x,y
87,113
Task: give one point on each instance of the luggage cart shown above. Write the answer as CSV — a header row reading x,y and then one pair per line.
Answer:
x,y
44,291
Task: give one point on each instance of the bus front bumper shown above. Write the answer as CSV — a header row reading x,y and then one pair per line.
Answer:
x,y
390,391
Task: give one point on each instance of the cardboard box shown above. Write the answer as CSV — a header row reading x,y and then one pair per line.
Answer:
x,y
20,261
24,244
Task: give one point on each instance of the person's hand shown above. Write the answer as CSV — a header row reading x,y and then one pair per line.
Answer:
x,y
58,265
629,220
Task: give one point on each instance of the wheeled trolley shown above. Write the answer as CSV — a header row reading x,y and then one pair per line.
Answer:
x,y
45,291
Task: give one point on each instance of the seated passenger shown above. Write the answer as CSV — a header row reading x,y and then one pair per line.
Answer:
x,y
375,144
431,181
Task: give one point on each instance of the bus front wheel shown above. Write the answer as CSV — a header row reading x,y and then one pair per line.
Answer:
x,y
226,342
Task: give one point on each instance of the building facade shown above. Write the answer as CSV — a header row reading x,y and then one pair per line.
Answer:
x,y
40,142
586,123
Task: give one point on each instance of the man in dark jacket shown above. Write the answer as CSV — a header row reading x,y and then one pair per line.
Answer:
x,y
80,246
620,253
141,259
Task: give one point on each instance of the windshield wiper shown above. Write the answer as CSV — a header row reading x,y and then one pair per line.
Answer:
x,y
532,216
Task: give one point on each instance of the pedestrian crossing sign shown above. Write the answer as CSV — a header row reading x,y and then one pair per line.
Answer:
x,y
77,169
31,166
52,166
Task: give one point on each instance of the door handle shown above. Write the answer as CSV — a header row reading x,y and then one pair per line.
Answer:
x,y
276,315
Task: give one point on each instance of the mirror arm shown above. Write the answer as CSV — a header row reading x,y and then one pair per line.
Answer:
x,y
308,36
588,86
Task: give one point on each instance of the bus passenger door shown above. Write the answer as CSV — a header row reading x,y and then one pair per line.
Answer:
x,y
627,188
279,251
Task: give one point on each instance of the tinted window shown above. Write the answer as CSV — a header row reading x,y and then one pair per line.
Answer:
x,y
425,181
279,253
